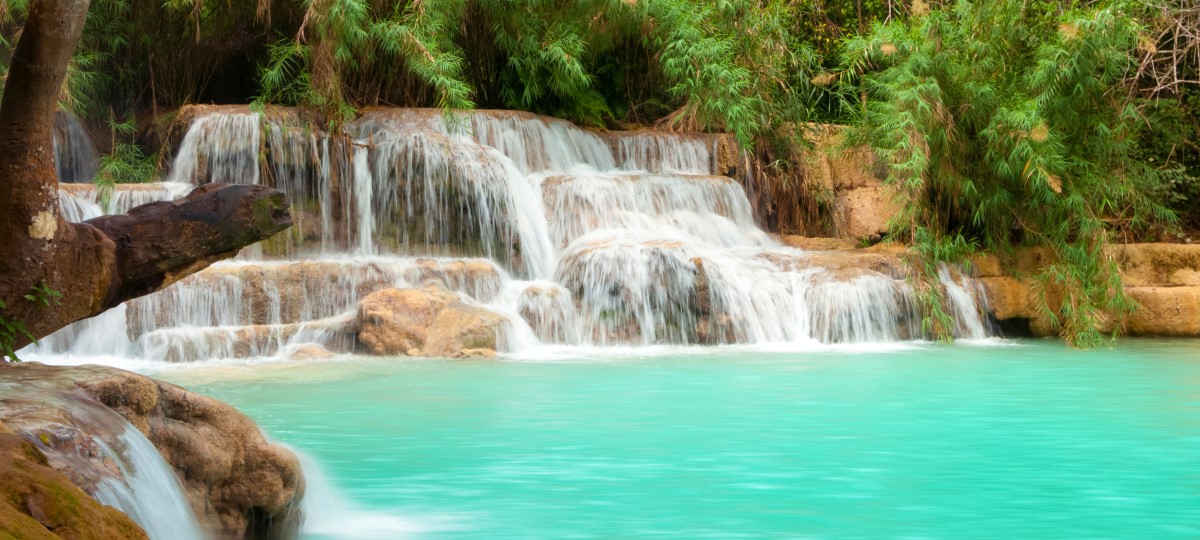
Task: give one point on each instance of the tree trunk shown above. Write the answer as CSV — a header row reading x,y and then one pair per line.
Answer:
x,y
101,263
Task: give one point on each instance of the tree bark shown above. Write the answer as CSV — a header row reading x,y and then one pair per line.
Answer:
x,y
101,263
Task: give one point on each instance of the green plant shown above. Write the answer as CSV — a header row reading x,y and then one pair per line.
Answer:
x,y
1002,134
10,330
41,297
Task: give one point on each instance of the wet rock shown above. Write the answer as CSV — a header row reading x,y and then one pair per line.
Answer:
x,y
1165,311
1158,265
432,321
818,244
1164,279
37,502
310,351
238,484
463,330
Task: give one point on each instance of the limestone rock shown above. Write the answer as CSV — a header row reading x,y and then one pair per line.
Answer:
x,y
818,244
1165,311
38,502
431,322
463,330
830,165
310,351
1158,265
238,484
864,213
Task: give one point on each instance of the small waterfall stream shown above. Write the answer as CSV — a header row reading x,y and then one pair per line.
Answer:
x,y
102,453
577,238
75,157
148,491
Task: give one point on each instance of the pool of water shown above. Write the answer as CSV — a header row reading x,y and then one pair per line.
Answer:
x,y
1013,440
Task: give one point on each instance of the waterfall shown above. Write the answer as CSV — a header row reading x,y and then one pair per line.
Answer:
x,y
966,299
147,490
219,148
329,513
577,238
75,158
81,202
103,454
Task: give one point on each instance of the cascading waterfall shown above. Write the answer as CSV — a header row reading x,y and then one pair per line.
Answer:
x,y
108,457
577,238
147,490
75,158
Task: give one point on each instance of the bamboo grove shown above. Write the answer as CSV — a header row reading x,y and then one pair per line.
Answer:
x,y
1062,124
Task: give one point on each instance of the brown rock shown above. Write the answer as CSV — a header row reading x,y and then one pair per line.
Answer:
x,y
310,351
818,244
38,502
1009,298
1165,311
463,330
1158,265
864,213
238,484
830,165
432,321
392,321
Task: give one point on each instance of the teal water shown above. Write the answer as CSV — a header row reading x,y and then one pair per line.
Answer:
x,y
1030,440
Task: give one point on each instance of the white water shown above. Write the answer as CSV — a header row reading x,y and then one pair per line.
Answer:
x,y
75,157
614,245
579,239
148,491
328,513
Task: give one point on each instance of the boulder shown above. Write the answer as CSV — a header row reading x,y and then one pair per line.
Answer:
x,y
431,322
238,484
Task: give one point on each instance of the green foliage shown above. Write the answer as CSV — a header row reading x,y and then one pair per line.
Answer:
x,y
10,331
722,65
41,297
126,164
1169,145
1002,135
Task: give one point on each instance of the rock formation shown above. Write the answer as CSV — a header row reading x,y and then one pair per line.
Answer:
x,y
38,502
238,484
431,322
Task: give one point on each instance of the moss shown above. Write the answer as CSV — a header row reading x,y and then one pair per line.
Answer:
x,y
38,502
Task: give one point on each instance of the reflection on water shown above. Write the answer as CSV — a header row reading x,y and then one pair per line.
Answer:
x,y
1029,440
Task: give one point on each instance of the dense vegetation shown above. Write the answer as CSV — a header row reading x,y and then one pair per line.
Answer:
x,y
1051,123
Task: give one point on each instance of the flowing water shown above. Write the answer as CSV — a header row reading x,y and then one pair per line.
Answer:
x,y
576,238
148,491
1022,439
668,369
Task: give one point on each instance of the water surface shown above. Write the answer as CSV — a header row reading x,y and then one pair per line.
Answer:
x,y
1020,440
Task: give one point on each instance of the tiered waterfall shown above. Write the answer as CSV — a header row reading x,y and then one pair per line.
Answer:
x,y
577,238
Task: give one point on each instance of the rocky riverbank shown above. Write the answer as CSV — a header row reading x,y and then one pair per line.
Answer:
x,y
70,420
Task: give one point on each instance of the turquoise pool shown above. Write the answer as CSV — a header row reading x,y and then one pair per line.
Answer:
x,y
1012,440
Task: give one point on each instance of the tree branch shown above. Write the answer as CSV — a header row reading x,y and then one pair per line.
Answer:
x,y
101,263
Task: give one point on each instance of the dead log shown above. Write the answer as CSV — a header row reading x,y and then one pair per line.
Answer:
x,y
99,264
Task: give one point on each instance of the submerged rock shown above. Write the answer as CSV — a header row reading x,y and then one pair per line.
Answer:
x,y
430,322
237,483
